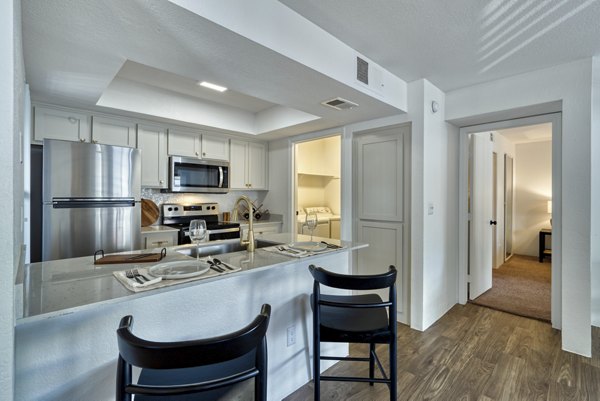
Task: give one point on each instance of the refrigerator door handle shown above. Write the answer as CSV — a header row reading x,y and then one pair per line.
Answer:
x,y
91,203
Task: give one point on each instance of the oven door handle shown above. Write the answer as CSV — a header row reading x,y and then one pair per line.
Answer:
x,y
223,230
221,177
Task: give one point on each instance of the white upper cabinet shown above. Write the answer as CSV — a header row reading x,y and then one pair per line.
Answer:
x,y
248,165
113,131
60,124
257,165
193,144
215,147
152,141
184,143
237,165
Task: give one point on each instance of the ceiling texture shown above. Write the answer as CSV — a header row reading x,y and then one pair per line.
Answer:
x,y
455,44
77,51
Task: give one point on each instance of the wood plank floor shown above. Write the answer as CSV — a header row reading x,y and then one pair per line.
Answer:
x,y
474,353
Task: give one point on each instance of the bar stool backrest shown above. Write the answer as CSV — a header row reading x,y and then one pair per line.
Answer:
x,y
354,282
135,351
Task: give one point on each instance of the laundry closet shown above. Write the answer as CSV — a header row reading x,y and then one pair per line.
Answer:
x,y
318,166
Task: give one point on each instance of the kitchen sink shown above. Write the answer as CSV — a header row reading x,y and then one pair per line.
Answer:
x,y
219,247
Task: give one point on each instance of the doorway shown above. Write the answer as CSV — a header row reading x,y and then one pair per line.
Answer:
x,y
525,204
520,284
317,172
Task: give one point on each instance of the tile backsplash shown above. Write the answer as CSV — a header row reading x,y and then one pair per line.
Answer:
x,y
225,201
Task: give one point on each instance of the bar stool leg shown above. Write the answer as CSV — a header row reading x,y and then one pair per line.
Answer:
x,y
317,368
371,362
393,370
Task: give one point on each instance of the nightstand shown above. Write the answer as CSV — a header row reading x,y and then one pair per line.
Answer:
x,y
543,251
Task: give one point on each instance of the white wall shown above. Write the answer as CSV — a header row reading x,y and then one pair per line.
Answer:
x,y
595,217
533,189
440,229
502,147
570,84
12,74
311,191
279,198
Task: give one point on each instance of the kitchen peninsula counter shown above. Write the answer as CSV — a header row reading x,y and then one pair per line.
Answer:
x,y
65,331
65,286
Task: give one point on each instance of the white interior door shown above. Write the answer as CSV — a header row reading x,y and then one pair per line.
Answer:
x,y
480,251
381,209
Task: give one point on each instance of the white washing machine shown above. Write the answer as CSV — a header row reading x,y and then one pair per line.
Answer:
x,y
324,217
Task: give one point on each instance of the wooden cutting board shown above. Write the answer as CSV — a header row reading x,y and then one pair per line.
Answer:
x,y
150,212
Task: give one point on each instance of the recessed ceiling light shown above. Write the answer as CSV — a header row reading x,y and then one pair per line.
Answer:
x,y
218,88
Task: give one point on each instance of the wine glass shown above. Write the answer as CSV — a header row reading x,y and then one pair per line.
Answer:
x,y
311,223
197,234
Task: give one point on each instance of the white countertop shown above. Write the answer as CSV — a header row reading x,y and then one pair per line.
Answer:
x,y
66,286
155,229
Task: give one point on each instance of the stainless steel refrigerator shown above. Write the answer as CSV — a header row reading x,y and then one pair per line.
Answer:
x,y
91,199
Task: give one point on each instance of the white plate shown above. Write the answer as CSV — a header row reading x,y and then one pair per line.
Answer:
x,y
178,270
308,246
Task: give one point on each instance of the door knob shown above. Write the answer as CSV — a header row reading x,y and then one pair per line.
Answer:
x,y
493,222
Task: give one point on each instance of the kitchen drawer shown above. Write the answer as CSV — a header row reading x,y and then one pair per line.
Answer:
x,y
159,239
261,229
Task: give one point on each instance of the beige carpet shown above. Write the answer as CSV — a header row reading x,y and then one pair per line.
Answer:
x,y
520,286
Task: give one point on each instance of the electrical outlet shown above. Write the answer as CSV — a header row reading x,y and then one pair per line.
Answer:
x,y
291,336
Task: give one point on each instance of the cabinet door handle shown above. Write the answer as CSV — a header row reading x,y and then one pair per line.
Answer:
x,y
81,139
203,153
95,141
161,182
197,154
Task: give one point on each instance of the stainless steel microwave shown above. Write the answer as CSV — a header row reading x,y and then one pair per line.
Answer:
x,y
187,174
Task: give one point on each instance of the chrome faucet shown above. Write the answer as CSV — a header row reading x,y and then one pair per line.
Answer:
x,y
234,217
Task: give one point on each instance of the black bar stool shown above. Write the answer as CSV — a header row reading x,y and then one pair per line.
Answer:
x,y
217,367
355,319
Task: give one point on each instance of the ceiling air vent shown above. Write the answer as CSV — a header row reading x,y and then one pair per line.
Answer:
x,y
339,104
362,71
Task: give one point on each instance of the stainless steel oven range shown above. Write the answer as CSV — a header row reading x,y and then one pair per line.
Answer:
x,y
179,216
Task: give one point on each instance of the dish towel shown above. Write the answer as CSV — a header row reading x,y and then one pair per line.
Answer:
x,y
158,282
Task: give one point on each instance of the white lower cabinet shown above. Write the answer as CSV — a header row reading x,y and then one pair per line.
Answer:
x,y
152,141
261,228
248,165
159,239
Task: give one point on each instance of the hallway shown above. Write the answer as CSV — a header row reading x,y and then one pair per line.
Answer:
x,y
520,286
